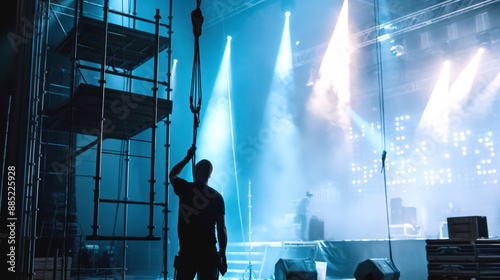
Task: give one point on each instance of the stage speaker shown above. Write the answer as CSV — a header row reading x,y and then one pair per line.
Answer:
x,y
316,229
376,269
296,269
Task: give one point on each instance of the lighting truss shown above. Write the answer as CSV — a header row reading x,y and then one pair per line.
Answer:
x,y
221,10
408,23
489,70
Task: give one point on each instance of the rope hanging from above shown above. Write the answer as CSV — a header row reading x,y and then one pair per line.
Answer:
x,y
195,96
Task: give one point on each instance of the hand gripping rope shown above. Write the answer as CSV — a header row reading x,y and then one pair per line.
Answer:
x,y
196,95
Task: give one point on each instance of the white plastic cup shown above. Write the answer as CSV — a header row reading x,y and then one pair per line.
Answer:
x,y
321,269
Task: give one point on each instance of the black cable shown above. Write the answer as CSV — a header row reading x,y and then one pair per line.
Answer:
x,y
119,186
195,96
382,118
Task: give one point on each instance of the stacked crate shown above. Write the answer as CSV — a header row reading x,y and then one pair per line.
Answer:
x,y
468,254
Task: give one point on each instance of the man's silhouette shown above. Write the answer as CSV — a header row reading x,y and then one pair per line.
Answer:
x,y
201,210
302,210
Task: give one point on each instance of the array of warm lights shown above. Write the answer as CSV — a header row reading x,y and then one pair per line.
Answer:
x,y
422,163
364,131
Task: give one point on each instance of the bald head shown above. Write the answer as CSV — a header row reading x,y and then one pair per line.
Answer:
x,y
202,171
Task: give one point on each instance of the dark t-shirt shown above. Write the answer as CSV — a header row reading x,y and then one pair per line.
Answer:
x,y
303,206
199,207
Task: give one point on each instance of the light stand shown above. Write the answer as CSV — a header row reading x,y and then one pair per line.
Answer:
x,y
249,266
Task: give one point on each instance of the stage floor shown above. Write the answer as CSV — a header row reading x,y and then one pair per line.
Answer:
x,y
342,257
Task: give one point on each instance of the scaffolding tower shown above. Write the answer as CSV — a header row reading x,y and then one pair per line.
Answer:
x,y
61,113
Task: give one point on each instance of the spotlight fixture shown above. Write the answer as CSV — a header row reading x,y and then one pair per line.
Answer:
x,y
175,60
229,38
397,50
287,6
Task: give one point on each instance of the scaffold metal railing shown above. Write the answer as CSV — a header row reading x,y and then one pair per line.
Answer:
x,y
38,127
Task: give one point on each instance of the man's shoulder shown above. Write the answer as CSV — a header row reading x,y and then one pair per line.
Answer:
x,y
178,179
181,186
212,193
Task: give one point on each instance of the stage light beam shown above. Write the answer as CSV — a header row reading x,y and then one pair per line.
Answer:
x,y
215,135
331,97
461,87
173,77
448,100
434,120
279,162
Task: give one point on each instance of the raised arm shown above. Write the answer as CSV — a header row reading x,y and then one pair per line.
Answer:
x,y
177,169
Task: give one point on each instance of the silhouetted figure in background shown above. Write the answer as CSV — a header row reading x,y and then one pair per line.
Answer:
x,y
201,211
302,210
